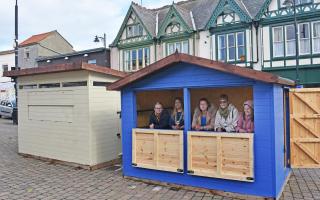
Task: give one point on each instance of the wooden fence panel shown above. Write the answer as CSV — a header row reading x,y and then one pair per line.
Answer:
x,y
157,149
221,155
305,127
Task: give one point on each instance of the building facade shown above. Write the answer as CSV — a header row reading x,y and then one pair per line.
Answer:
x,y
42,45
255,34
7,91
98,56
6,63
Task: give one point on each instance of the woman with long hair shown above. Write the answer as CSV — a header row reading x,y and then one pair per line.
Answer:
x,y
204,116
177,117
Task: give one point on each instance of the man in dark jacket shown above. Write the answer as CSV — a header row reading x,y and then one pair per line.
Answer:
x,y
159,119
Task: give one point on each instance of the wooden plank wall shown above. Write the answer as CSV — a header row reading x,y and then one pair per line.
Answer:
x,y
157,149
221,155
305,127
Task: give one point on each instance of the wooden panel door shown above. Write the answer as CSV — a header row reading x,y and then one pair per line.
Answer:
x,y
305,127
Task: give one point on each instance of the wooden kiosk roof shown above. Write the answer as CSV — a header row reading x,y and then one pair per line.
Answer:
x,y
64,68
185,58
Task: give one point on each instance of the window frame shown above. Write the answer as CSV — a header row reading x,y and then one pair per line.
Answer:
x,y
235,34
309,38
273,42
313,38
286,41
127,62
137,30
181,44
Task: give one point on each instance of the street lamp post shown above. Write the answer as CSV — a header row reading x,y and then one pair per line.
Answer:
x,y
98,38
292,3
16,66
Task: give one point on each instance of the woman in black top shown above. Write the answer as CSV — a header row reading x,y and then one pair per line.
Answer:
x,y
177,117
159,119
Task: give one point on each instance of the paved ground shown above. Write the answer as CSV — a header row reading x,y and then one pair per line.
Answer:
x,y
26,178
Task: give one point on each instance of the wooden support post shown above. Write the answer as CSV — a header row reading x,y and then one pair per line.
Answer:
x,y
187,126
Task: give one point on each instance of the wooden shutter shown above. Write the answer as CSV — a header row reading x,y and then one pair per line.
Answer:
x,y
221,155
157,149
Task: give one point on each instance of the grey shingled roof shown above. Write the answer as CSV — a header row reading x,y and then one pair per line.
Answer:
x,y
253,6
201,10
185,14
147,16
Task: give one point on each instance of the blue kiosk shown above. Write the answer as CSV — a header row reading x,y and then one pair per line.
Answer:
x,y
253,164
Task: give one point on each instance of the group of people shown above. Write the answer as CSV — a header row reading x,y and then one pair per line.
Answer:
x,y
206,117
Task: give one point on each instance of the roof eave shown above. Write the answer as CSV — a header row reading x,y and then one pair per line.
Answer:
x,y
223,67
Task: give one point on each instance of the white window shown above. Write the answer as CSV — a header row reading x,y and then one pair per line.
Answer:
x,y
278,46
134,30
316,37
136,59
182,47
241,47
185,47
222,51
26,54
290,41
231,47
127,60
304,39
146,56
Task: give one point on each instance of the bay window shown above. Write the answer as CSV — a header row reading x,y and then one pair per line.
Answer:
x,y
231,47
136,59
290,41
316,37
181,47
278,43
304,39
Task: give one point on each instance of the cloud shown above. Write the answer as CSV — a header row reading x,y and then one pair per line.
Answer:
x,y
77,20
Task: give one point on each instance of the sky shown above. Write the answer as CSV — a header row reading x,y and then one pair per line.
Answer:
x,y
76,20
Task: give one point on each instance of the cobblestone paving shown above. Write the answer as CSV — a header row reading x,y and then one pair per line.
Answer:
x,y
27,178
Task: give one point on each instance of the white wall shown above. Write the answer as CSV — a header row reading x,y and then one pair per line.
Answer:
x,y
104,120
6,59
54,122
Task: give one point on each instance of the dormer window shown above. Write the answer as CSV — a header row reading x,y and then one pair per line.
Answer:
x,y
134,30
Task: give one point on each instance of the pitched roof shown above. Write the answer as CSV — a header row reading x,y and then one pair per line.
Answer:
x,y
36,38
75,53
64,68
201,10
202,62
253,7
7,52
147,17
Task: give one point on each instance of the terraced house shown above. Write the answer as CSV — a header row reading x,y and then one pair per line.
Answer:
x,y
250,33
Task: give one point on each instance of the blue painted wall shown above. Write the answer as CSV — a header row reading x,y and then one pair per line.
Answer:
x,y
191,76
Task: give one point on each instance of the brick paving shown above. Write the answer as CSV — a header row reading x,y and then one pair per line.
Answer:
x,y
27,178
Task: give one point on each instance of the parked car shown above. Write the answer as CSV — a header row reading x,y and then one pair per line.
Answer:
x,y
6,108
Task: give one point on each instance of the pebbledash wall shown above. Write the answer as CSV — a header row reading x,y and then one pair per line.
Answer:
x,y
270,170
68,115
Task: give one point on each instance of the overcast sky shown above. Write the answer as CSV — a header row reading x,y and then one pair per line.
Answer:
x,y
77,20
